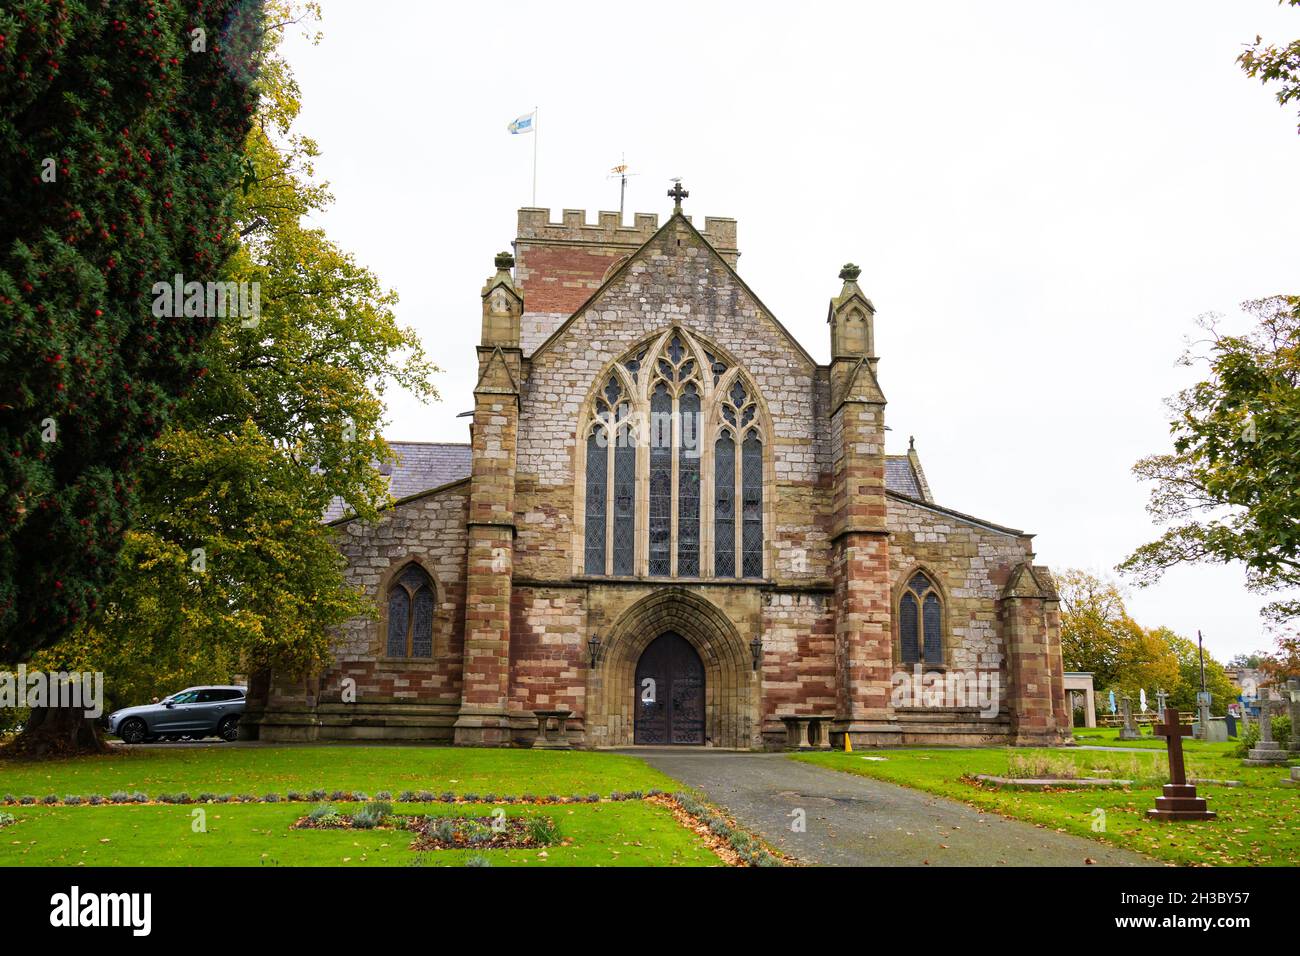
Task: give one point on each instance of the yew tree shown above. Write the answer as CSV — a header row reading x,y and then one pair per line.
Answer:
x,y
229,567
122,130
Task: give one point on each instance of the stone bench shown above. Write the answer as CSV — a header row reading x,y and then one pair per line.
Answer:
x,y
544,739
807,731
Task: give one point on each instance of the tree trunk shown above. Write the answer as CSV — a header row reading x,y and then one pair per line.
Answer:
x,y
57,732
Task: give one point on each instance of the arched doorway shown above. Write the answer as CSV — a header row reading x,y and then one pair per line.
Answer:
x,y
669,688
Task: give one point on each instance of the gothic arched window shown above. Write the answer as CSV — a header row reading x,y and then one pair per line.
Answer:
x,y
410,614
692,504
920,622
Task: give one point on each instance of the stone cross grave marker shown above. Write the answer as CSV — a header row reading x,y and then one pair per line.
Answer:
x,y
1266,752
1129,731
1179,800
1293,695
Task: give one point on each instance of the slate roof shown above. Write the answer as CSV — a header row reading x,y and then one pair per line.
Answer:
x,y
900,477
420,466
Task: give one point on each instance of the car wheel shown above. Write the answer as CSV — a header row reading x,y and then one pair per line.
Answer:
x,y
228,729
132,731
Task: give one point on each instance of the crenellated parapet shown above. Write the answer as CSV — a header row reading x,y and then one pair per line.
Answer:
x,y
609,230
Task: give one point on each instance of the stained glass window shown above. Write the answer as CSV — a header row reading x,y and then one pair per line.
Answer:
x,y
399,619
920,622
690,408
907,629
661,480
724,507
422,623
410,614
597,473
933,640
688,483
752,532
624,502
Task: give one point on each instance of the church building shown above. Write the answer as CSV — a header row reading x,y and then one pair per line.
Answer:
x,y
675,525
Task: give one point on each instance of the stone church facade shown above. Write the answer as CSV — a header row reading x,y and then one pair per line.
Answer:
x,y
673,523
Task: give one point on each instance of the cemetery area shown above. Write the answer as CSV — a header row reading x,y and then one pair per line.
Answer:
x,y
603,809
1258,809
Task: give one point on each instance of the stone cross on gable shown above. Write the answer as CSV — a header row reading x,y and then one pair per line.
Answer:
x,y
1174,732
677,194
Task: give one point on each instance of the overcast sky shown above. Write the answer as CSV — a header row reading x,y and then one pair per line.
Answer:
x,y
1043,196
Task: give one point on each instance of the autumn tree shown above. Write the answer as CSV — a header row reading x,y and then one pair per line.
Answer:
x,y
1099,636
1092,624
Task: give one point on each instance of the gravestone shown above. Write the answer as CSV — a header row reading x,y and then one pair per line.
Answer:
x,y
1293,694
1203,717
1266,752
1179,800
1129,731
1162,701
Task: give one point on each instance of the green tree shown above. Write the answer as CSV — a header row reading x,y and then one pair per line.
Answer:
x,y
1273,64
230,568
122,124
1229,488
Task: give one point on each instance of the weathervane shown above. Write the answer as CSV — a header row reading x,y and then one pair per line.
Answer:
x,y
620,172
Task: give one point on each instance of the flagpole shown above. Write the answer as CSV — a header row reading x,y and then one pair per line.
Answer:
x,y
537,132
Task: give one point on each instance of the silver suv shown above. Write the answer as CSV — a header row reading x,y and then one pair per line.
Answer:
x,y
195,712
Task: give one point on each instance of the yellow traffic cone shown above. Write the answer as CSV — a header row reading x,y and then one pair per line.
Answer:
x,y
848,744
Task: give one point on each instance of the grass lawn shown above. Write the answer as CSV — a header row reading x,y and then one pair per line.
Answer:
x,y
1258,823
629,833
625,833
1109,737
271,769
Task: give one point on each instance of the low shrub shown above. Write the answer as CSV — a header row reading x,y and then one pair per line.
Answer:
x,y
1037,766
543,830
324,814
1248,739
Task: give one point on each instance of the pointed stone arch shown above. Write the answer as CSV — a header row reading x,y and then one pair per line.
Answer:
x,y
731,689
634,371
940,587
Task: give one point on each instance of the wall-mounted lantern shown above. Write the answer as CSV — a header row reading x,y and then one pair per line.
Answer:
x,y
593,647
756,651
